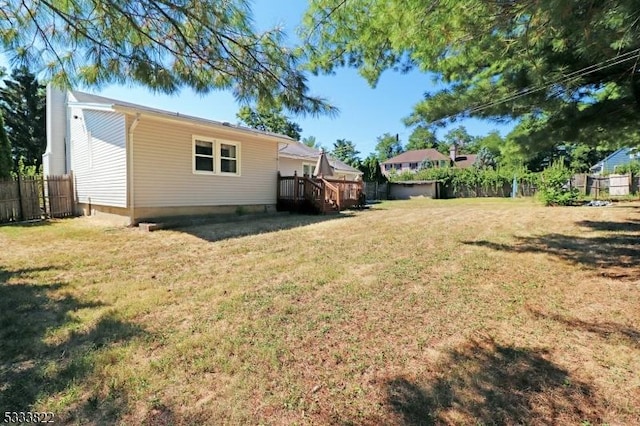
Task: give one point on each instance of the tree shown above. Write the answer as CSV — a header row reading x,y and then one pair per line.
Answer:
x,y
164,45
582,156
269,120
6,161
371,170
485,159
388,146
422,138
568,65
23,105
346,151
492,142
311,142
460,137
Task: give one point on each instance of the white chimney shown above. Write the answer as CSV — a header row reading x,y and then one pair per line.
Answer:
x,y
54,158
453,152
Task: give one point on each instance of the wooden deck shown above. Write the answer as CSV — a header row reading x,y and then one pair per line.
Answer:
x,y
317,195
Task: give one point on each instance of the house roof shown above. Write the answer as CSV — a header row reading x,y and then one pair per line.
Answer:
x,y
601,163
300,151
465,160
417,156
90,100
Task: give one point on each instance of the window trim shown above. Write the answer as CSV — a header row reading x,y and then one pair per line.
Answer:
x,y
217,156
313,166
219,144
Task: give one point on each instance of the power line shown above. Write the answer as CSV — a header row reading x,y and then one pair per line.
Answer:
x,y
618,59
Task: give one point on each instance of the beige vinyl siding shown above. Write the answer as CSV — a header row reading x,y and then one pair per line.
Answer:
x,y
164,175
288,166
98,156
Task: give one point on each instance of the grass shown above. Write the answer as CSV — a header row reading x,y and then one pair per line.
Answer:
x,y
481,311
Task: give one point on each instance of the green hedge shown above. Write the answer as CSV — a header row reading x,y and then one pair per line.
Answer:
x,y
485,180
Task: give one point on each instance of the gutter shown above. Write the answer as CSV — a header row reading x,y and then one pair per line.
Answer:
x,y
130,169
197,121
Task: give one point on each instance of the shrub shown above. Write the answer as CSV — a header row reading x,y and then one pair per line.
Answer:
x,y
554,187
632,168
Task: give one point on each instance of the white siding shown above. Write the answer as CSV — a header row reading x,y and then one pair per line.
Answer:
x,y
288,166
98,156
163,168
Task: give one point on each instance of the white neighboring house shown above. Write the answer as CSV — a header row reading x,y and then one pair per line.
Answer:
x,y
137,163
296,157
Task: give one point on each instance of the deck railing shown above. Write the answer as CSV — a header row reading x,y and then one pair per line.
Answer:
x,y
303,193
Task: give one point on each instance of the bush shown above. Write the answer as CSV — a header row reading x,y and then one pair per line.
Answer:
x,y
632,168
554,187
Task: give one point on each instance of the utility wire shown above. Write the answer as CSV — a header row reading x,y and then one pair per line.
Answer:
x,y
618,59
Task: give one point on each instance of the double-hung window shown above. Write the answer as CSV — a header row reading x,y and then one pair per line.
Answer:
x,y
213,156
204,158
229,158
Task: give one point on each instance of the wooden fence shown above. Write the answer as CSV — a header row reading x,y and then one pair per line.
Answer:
x,y
376,191
524,189
35,197
606,186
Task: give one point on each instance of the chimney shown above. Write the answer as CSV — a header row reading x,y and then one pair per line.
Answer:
x,y
453,152
54,161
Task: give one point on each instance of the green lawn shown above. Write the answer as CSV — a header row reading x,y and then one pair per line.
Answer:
x,y
473,311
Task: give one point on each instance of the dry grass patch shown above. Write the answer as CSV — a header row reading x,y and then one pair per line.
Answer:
x,y
417,312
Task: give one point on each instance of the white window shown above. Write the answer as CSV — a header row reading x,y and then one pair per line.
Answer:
x,y
203,156
308,169
212,156
229,158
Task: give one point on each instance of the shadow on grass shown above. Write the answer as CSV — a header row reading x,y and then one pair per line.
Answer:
x,y
32,369
604,330
27,224
485,383
613,256
213,232
629,226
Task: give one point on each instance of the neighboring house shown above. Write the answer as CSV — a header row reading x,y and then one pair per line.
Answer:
x,y
137,163
620,157
414,160
298,158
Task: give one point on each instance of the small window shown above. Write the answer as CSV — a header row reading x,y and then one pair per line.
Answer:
x,y
203,156
388,166
413,166
228,158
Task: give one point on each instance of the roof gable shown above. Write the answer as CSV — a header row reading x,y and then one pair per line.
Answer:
x,y
298,150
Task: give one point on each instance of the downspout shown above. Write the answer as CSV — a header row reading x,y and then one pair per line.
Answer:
x,y
131,183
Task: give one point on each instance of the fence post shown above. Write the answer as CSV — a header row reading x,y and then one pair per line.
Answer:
x,y
44,199
296,187
20,198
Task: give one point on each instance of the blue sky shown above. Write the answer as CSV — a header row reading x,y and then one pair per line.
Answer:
x,y
365,112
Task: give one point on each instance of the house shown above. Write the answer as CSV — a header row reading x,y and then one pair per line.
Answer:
x,y
134,163
416,159
298,158
618,158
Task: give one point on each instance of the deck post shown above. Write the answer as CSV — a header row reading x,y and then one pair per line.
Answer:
x,y
296,188
278,187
